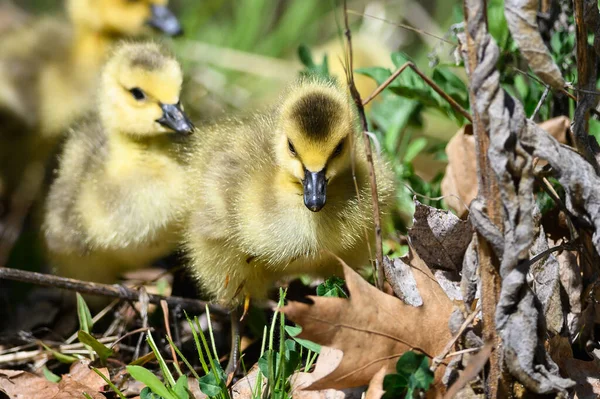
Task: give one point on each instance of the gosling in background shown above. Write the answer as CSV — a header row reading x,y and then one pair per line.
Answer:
x,y
119,196
49,69
274,196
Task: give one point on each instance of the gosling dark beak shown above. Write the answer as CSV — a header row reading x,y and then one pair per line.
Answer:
x,y
315,189
175,119
165,21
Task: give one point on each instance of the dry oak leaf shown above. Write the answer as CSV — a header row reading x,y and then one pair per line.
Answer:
x,y
439,237
374,329
24,385
328,360
460,179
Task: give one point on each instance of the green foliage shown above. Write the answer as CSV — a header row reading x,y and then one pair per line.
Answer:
x,y
67,359
101,350
411,86
294,331
50,376
109,383
332,287
412,375
148,378
84,315
311,68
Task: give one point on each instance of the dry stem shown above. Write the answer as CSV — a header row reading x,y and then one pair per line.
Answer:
x,y
490,193
369,153
112,291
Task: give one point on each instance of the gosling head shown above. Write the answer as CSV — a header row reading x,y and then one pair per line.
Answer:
x,y
139,92
124,17
314,140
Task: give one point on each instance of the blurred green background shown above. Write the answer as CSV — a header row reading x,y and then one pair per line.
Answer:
x,y
238,54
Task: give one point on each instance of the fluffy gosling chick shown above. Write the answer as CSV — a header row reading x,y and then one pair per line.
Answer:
x,y
118,197
274,195
49,70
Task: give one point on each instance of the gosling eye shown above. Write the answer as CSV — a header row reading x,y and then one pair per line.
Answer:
x,y
291,148
338,150
138,94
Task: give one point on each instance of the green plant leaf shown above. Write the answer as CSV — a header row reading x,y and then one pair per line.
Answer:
x,y
50,376
209,385
332,287
101,350
422,377
414,148
305,56
394,386
84,315
150,380
293,331
180,388
148,394
67,359
409,363
379,74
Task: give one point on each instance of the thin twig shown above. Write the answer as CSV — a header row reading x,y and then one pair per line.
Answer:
x,y
540,103
112,291
368,152
165,309
427,80
438,359
462,352
403,26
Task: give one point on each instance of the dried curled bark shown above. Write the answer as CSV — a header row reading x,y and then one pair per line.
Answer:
x,y
521,16
519,317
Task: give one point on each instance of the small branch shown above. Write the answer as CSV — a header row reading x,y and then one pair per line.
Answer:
x,y
427,80
540,103
112,291
369,153
439,358
489,191
165,309
562,247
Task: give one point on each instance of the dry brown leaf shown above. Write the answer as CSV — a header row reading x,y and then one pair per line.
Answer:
x,y
460,179
375,390
244,388
521,18
374,329
585,373
473,368
24,385
439,237
328,360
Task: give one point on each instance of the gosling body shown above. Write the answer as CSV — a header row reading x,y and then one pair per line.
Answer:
x,y
250,222
118,197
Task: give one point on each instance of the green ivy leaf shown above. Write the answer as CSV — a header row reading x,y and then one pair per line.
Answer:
x,y
209,385
332,287
148,394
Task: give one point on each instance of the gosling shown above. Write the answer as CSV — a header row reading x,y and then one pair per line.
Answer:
x,y
274,196
49,69
119,194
